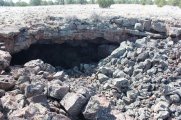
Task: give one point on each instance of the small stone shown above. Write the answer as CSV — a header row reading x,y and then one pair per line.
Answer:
x,y
142,56
23,79
102,77
175,98
5,59
6,83
162,115
158,26
132,94
59,75
138,26
2,92
161,106
120,82
119,74
152,71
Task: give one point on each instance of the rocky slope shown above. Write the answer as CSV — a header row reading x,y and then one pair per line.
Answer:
x,y
139,80
21,27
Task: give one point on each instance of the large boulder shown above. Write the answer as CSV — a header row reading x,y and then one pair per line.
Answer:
x,y
75,102
98,107
39,63
57,89
5,59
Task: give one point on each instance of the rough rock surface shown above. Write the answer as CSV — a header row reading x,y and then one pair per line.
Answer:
x,y
85,22
139,80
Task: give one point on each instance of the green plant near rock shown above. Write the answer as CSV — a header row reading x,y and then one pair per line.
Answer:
x,y
160,3
105,3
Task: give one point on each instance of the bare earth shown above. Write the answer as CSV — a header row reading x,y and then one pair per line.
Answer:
x,y
25,16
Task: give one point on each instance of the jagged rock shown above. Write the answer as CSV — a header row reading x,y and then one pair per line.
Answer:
x,y
2,93
142,56
34,89
158,26
102,77
98,107
138,26
5,59
59,75
119,74
43,66
57,89
41,99
147,24
6,82
13,102
174,31
175,98
55,116
74,102
33,111
161,106
120,82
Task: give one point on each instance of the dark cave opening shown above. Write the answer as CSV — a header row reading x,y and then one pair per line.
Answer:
x,y
66,55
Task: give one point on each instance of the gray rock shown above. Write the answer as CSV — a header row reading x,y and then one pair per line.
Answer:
x,y
132,94
6,82
152,71
118,52
128,70
174,31
74,102
23,79
120,82
13,102
97,108
147,25
141,42
142,56
138,26
41,99
55,116
119,74
161,106
59,75
106,71
34,89
5,59
175,98
102,77
2,92
162,115
158,26
57,91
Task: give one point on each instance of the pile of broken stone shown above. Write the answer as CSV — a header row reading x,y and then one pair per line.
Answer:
x,y
139,80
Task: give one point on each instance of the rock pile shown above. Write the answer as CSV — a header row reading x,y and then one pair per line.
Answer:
x,y
139,80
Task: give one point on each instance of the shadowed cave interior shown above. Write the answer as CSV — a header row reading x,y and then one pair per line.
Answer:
x,y
66,55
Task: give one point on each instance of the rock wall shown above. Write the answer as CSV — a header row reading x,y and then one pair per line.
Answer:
x,y
110,29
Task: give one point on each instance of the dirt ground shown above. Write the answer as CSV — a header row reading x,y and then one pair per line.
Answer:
x,y
29,15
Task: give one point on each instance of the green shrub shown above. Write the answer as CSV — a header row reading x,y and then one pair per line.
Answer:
x,y
21,3
105,3
160,3
174,2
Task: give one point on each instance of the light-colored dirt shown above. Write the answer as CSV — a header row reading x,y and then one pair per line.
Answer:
x,y
25,16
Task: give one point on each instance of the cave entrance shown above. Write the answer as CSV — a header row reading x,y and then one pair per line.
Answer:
x,y
66,55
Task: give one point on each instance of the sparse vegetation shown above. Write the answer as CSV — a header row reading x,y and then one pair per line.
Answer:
x,y
105,3
102,3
